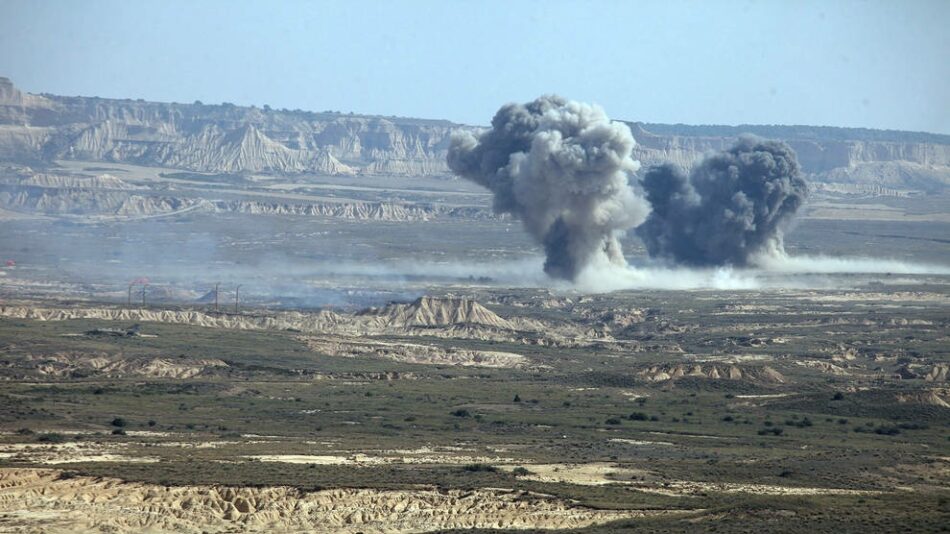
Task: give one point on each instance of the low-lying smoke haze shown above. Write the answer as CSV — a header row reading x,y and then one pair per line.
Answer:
x,y
561,168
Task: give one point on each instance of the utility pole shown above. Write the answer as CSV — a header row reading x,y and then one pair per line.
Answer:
x,y
216,284
237,300
143,294
130,294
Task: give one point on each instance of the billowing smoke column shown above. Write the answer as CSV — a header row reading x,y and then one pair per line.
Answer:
x,y
561,167
731,206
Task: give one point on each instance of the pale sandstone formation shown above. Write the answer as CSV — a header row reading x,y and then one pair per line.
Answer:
x,y
40,500
934,397
414,353
66,364
667,372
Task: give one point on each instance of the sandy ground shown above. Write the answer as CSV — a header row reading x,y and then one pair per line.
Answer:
x,y
422,455
70,452
598,474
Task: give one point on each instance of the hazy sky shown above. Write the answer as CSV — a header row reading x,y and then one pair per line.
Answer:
x,y
879,64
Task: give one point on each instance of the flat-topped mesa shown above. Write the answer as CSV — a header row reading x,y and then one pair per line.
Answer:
x,y
439,312
666,372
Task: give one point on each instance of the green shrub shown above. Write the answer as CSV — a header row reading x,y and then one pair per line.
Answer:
x,y
887,430
480,468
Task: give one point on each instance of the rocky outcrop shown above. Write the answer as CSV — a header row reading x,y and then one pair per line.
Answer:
x,y
370,211
86,202
67,364
432,312
668,372
445,318
71,181
413,352
85,504
935,397
105,195
938,373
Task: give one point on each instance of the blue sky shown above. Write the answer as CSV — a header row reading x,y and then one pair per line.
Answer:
x,y
873,63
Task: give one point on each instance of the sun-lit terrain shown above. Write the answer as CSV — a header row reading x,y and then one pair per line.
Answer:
x,y
220,318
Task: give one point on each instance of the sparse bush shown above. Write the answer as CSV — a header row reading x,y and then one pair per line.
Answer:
x,y
461,412
728,418
151,422
51,438
24,432
613,421
838,396
517,398
887,430
639,416
520,471
118,432
800,424
480,468
776,431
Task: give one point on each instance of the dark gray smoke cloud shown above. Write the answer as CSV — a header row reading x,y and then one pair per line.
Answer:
x,y
561,167
731,206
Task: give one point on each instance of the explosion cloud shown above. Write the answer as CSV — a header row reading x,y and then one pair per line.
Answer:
x,y
732,205
560,167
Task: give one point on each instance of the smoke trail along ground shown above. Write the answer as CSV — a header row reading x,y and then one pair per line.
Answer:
x,y
561,167
731,208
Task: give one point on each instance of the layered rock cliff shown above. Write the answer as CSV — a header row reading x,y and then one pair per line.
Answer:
x,y
231,139
222,138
